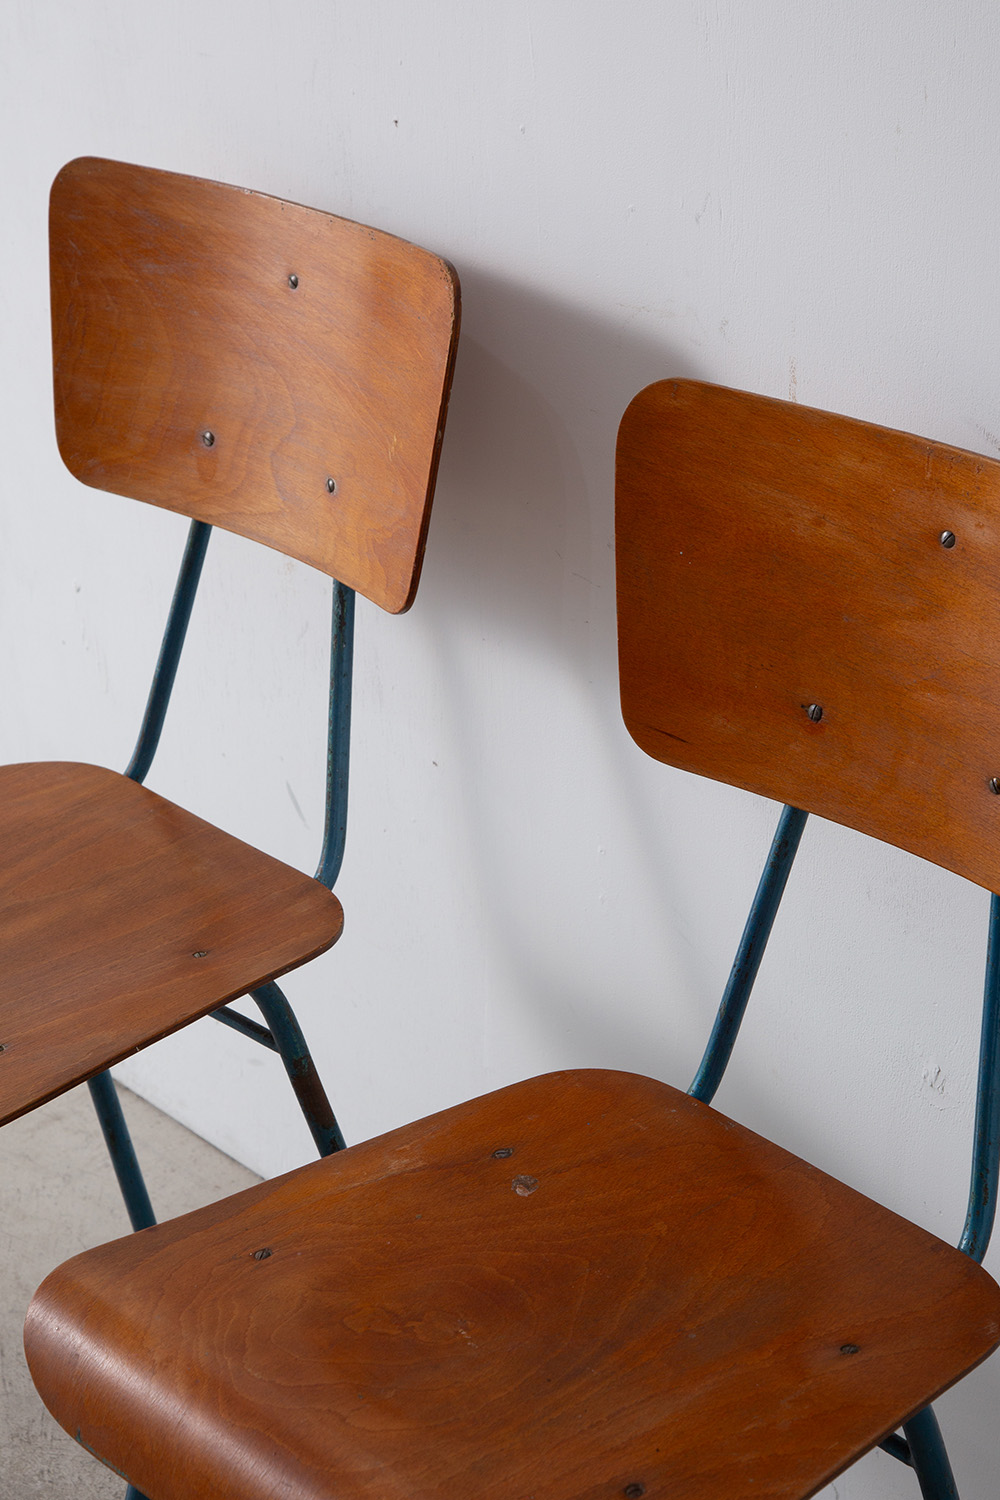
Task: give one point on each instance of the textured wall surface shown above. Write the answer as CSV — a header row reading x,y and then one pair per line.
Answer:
x,y
799,199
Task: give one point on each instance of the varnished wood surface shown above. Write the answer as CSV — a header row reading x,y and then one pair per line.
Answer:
x,y
122,918
770,558
577,1285
174,316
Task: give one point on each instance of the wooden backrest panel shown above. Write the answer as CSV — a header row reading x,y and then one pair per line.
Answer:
x,y
772,558
309,348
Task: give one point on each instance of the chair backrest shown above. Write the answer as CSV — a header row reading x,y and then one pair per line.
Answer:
x,y
253,364
809,607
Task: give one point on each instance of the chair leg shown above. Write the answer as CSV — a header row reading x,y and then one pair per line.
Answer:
x,y
121,1151
133,1494
300,1068
930,1457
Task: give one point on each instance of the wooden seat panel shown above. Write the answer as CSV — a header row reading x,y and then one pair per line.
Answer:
x,y
582,1286
122,918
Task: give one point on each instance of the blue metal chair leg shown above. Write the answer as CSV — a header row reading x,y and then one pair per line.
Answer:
x,y
133,1494
930,1457
301,1069
121,1151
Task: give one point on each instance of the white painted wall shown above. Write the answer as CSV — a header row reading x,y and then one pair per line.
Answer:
x,y
802,199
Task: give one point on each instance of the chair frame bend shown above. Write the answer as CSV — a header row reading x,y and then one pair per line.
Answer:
x,y
922,1447
280,1032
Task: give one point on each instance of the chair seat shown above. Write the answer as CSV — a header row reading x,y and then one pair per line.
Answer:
x,y
586,1285
122,918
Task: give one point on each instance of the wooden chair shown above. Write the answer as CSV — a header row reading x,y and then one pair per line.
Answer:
x,y
284,374
590,1285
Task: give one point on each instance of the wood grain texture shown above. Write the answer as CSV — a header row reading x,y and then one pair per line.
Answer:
x,y
173,316
771,557
672,1302
107,894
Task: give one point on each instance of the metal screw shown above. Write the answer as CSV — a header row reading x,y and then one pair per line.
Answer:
x,y
200,953
849,1349
331,485
262,1254
503,1151
524,1186
947,539
995,785
293,281
815,712
634,1491
208,438
3,1046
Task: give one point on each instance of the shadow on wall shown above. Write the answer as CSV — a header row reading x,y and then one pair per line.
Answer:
x,y
525,503
519,592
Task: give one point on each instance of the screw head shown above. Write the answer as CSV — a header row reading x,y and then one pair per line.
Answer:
x,y
331,485
995,785
849,1349
200,953
208,438
293,281
524,1186
3,1046
263,1253
947,539
502,1152
815,712
634,1491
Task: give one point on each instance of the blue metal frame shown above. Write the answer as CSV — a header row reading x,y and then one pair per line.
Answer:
x,y
733,1004
929,1457
121,1150
986,1149
338,742
291,1046
170,651
282,1033
922,1446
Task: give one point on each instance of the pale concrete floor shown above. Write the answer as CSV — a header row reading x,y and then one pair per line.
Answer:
x,y
58,1195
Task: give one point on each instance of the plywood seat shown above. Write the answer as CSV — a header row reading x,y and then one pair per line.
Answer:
x,y
588,1284
122,918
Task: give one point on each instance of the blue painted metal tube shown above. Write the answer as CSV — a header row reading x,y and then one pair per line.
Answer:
x,y
898,1447
300,1068
338,745
121,1151
749,954
253,1029
170,651
986,1149
929,1457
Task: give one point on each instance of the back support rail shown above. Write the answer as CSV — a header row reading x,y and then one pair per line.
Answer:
x,y
986,1147
749,954
339,713
170,651
338,744
982,1205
